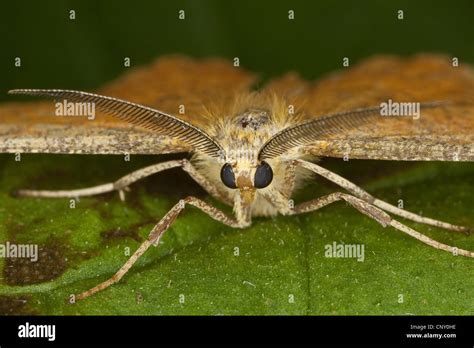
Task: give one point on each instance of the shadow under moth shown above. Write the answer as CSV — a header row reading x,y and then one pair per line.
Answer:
x,y
250,148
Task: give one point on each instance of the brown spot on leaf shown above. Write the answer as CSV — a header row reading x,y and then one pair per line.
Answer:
x,y
16,305
51,264
118,233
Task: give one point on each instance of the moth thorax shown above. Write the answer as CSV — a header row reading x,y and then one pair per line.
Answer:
x,y
252,119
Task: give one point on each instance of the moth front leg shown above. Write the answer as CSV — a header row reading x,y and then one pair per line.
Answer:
x,y
378,215
364,195
158,230
123,183
119,185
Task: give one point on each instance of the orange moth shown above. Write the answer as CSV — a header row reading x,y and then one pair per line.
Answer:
x,y
250,148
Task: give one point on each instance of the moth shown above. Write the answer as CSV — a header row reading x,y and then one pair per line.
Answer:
x,y
251,148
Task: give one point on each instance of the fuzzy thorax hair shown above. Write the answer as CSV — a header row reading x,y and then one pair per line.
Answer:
x,y
242,126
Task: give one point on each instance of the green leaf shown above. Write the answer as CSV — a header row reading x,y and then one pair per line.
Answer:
x,y
277,266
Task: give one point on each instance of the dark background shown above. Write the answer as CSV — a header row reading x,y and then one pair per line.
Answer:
x,y
58,52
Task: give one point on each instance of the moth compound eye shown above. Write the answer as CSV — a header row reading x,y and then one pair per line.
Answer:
x,y
263,175
227,176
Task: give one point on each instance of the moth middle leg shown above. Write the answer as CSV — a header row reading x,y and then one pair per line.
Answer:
x,y
122,184
378,215
364,195
159,229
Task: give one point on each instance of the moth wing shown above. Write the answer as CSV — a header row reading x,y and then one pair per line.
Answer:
x,y
175,85
441,133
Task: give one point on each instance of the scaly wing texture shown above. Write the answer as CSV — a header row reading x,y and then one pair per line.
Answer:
x,y
172,83
443,133
166,85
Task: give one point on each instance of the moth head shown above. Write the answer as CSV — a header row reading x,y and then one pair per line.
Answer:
x,y
247,178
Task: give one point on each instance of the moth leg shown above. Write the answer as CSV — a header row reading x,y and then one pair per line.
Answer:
x,y
378,215
290,178
203,182
121,185
158,230
362,194
124,182
281,199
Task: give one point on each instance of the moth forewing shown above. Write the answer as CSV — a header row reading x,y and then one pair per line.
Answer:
x,y
165,85
248,147
442,134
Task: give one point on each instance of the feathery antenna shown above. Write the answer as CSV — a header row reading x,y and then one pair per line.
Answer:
x,y
317,129
140,115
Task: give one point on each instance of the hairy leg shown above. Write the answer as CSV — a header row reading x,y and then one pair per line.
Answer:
x,y
362,194
122,184
378,215
290,178
158,230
